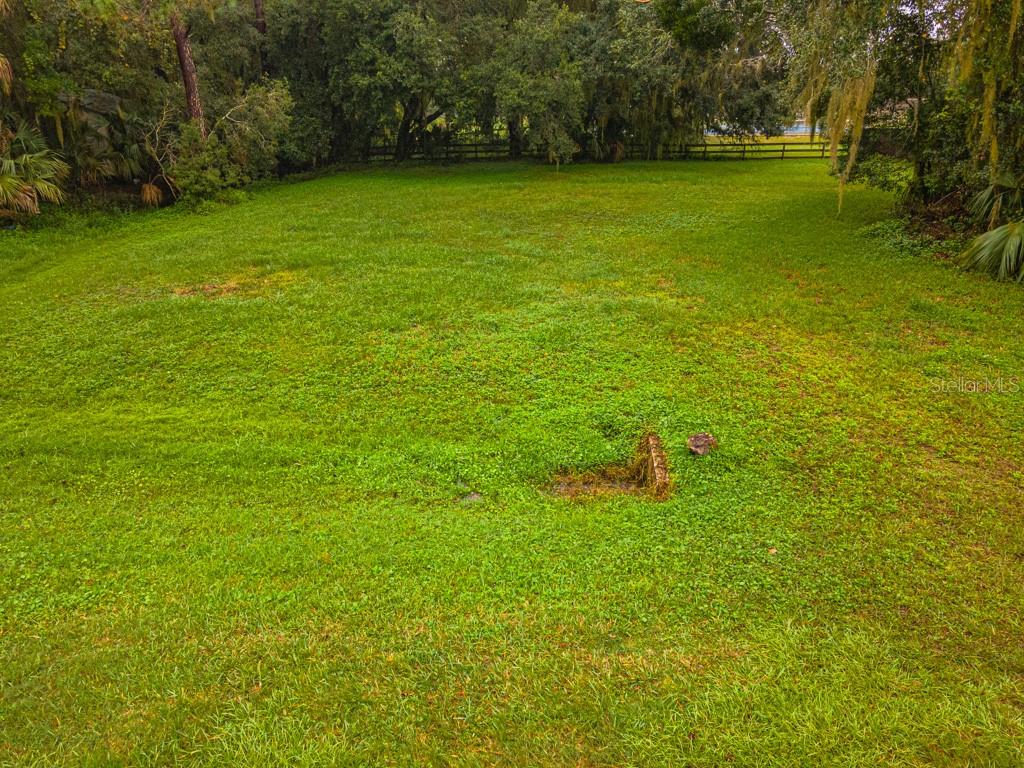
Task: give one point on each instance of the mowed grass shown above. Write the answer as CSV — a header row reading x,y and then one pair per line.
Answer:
x,y
239,455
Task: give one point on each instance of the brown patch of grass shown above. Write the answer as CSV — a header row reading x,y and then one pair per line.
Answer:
x,y
919,337
209,290
246,284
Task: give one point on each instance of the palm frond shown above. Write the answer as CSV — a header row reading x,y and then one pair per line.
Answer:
x,y
26,140
999,252
16,195
41,166
29,173
128,162
151,195
6,73
1004,196
48,191
10,184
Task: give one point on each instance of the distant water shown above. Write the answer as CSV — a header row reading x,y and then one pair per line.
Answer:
x,y
799,128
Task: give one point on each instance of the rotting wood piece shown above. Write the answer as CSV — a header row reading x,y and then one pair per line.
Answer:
x,y
653,466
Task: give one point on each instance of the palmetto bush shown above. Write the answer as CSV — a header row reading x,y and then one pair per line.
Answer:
x,y
29,172
1004,196
1000,251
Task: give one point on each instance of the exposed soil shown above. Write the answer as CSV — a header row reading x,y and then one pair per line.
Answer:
x,y
646,473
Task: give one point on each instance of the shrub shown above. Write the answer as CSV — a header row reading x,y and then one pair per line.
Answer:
x,y
891,174
242,147
897,236
1000,251
202,168
253,129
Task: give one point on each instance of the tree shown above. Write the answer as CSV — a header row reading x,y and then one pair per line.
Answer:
x,y
103,80
541,81
260,23
299,50
840,46
260,20
172,15
193,101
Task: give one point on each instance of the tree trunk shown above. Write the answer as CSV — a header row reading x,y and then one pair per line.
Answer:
x,y
193,103
515,137
260,23
428,119
261,18
404,144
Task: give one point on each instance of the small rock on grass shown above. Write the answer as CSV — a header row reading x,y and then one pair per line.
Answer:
x,y
701,444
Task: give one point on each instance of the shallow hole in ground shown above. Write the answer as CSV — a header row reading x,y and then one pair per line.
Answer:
x,y
644,473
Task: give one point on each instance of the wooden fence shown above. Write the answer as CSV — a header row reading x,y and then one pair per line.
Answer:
x,y
468,151
767,150
447,153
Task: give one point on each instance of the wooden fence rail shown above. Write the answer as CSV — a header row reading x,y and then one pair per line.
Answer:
x,y
458,152
448,152
735,151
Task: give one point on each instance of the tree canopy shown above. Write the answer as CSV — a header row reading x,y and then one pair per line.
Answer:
x,y
105,80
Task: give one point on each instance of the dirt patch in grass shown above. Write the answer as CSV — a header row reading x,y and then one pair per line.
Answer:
x,y
209,290
247,284
646,473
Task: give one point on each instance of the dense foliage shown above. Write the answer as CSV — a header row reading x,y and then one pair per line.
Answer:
x,y
184,99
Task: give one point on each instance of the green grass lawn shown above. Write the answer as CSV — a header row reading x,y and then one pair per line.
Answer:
x,y
240,449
